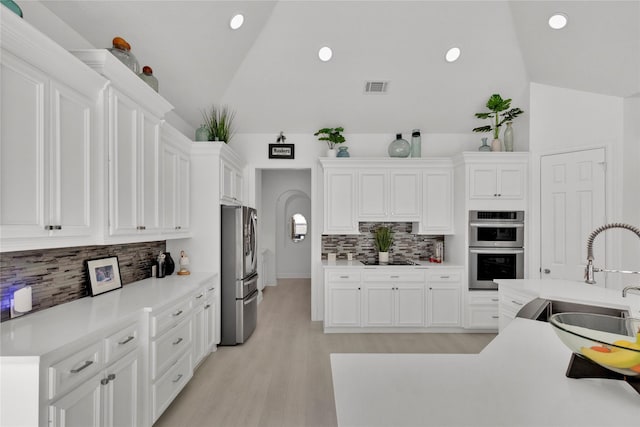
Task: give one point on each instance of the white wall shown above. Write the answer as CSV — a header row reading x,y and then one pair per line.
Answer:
x,y
279,189
564,120
630,246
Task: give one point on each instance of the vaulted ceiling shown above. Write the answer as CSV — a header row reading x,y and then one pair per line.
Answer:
x,y
268,71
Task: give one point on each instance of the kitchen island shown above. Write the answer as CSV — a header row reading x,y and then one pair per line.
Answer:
x,y
517,380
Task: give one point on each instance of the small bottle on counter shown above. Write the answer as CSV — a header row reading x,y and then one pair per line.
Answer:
x,y
160,269
416,143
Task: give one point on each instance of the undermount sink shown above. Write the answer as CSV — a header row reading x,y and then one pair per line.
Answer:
x,y
542,309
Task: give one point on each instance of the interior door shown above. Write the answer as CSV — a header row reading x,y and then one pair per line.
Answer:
x,y
572,193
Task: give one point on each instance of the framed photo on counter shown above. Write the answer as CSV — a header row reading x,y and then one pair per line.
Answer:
x,y
104,275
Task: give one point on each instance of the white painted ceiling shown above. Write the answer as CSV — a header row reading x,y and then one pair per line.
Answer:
x,y
269,73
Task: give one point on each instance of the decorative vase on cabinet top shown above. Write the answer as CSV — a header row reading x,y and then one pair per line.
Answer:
x,y
484,146
343,152
149,78
496,145
202,133
508,137
331,152
416,143
122,50
400,147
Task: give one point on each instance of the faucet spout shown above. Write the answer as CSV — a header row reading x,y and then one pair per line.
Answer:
x,y
590,269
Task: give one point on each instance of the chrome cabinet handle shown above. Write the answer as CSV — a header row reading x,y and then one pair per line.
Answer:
x,y
129,338
177,313
199,296
344,277
85,366
495,299
207,306
104,381
444,277
141,227
111,377
516,302
177,378
495,317
395,277
53,227
178,341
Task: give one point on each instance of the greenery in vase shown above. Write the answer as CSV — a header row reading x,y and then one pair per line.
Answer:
x,y
219,123
333,136
499,114
383,239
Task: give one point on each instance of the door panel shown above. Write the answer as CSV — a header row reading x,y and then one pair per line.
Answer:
x,y
572,192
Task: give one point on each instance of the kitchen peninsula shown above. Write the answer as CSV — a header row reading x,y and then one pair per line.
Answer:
x,y
517,380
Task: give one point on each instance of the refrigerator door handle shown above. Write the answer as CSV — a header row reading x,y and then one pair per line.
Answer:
x,y
250,300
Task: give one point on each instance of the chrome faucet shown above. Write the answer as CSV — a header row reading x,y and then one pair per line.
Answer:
x,y
628,288
590,270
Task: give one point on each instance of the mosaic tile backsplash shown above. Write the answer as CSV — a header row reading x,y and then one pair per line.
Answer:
x,y
405,245
59,275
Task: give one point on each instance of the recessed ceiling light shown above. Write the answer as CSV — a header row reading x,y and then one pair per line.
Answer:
x,y
325,53
237,21
452,54
558,21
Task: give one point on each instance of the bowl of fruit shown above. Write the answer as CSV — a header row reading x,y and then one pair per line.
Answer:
x,y
611,342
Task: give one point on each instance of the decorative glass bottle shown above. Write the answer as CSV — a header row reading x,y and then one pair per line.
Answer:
x,y
400,147
484,146
416,143
508,137
202,133
148,77
122,50
343,152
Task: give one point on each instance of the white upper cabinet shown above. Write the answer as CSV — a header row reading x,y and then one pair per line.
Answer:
x,y
132,115
48,141
437,201
389,195
176,181
340,195
231,177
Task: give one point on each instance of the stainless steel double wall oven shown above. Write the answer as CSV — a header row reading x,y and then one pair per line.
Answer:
x,y
496,247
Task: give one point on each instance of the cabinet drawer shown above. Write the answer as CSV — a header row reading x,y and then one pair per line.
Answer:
x,y
343,276
170,384
444,276
170,317
483,299
394,276
168,348
74,369
483,318
121,343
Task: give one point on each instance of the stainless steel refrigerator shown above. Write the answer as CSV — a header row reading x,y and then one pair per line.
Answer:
x,y
239,278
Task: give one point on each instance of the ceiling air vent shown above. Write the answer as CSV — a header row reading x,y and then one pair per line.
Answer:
x,y
378,86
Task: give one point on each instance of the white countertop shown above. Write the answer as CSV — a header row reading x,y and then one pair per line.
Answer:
x,y
43,331
517,380
357,264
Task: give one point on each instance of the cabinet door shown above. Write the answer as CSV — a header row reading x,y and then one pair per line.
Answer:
x,y
199,334
437,204
70,182
511,181
409,304
123,156
81,407
169,188
373,195
405,195
444,305
122,396
23,167
378,304
238,184
183,185
210,322
343,305
149,173
340,203
483,182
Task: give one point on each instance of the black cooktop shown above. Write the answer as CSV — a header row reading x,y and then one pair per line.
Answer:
x,y
399,262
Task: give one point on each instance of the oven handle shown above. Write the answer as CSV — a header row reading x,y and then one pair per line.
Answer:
x,y
496,251
496,224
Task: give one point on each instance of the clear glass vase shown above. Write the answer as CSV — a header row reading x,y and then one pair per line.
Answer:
x,y
399,147
122,50
508,137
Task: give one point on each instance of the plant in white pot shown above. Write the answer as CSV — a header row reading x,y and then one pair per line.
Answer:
x,y
500,113
333,136
383,241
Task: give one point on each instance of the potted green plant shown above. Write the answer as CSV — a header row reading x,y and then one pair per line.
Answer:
x,y
383,240
333,136
219,123
501,112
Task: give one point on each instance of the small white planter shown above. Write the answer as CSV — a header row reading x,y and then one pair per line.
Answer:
x,y
383,257
331,152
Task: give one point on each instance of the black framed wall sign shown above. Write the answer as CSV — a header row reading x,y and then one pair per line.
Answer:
x,y
281,151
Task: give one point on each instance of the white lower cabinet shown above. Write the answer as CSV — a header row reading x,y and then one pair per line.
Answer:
x,y
444,298
511,301
393,299
482,310
90,388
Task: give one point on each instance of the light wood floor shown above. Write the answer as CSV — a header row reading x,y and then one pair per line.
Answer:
x,y
282,375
